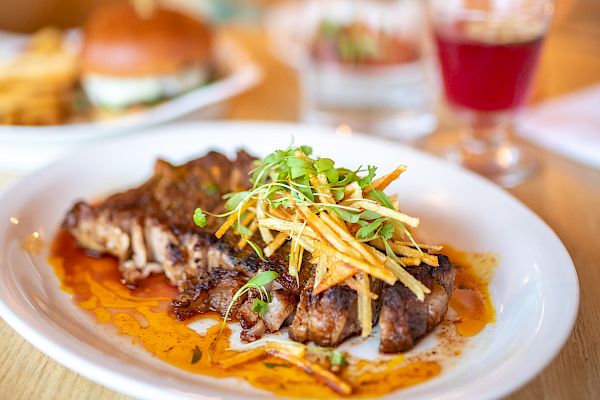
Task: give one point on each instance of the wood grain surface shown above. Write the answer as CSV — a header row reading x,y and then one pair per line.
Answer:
x,y
565,194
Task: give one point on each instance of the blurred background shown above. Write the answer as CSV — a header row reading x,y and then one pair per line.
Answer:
x,y
375,66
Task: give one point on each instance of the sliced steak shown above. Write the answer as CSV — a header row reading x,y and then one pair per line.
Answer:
x,y
404,319
282,306
330,317
212,294
150,228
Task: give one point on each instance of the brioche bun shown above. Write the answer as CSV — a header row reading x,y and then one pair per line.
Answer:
x,y
119,42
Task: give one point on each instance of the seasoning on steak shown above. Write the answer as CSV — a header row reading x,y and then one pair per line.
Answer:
x,y
404,319
330,317
150,229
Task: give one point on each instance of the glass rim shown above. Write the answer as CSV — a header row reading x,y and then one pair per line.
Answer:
x,y
544,9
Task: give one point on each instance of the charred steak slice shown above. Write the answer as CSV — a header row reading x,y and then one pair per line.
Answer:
x,y
330,317
404,319
150,228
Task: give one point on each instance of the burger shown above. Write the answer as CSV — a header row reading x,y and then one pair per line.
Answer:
x,y
129,58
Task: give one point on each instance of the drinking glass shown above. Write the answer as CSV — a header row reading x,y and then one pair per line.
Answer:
x,y
366,65
488,51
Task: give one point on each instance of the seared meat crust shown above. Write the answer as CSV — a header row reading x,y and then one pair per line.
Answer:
x,y
404,319
150,230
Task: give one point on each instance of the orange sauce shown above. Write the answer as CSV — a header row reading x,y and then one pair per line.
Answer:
x,y
471,298
141,314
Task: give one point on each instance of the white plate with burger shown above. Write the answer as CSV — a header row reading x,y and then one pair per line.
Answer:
x,y
534,290
120,72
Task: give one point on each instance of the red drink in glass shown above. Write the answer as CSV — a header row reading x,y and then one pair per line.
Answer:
x,y
488,51
487,74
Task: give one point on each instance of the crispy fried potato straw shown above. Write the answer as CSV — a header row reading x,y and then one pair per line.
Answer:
x,y
421,245
365,310
252,228
320,183
387,212
412,283
277,242
338,273
231,219
321,269
403,250
384,181
353,191
323,230
265,233
375,270
322,375
293,228
353,284
346,236
295,260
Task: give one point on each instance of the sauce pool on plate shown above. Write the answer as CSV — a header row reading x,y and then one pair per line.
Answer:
x,y
141,313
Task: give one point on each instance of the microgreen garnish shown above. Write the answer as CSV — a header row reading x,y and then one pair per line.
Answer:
x,y
336,357
381,198
199,218
197,356
342,218
256,249
260,307
258,282
275,365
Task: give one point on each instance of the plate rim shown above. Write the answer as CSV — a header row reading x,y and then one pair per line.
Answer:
x,y
135,387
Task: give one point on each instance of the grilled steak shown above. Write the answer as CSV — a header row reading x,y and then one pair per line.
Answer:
x,y
150,230
404,319
331,316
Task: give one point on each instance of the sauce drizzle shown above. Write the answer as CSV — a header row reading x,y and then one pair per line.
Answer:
x,y
141,314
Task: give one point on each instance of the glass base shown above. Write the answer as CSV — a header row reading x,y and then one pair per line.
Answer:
x,y
511,166
506,163
406,126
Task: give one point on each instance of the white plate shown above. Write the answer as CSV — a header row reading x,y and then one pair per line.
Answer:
x,y
28,147
535,290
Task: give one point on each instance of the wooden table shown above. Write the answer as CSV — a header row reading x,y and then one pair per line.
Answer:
x,y
565,194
